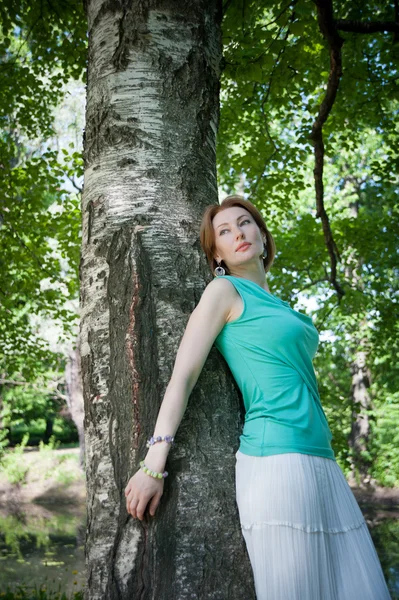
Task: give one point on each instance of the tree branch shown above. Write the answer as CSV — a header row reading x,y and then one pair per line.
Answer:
x,y
366,27
226,6
309,285
334,40
289,5
75,185
266,97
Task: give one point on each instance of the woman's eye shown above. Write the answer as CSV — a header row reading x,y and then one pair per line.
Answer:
x,y
242,223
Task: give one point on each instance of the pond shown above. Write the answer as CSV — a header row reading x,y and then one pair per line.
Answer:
x,y
44,548
383,525
48,548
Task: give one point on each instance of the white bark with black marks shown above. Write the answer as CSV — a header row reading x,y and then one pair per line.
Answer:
x,y
150,170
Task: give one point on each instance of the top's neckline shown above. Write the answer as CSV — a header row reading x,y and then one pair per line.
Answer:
x,y
259,287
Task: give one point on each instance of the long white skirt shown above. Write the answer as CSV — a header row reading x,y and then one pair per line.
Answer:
x,y
304,531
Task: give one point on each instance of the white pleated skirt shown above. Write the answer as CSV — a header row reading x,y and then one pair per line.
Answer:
x,y
305,533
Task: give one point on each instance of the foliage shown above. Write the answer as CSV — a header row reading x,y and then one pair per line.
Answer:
x,y
3,441
28,407
385,536
58,465
13,465
42,45
275,76
385,444
39,252
52,445
276,69
64,430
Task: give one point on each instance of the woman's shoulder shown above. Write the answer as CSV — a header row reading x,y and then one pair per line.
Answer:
x,y
221,286
220,290
221,296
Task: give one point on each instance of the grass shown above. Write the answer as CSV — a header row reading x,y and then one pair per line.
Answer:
x,y
21,466
13,464
37,593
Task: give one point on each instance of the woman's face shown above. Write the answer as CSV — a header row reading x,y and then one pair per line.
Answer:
x,y
232,227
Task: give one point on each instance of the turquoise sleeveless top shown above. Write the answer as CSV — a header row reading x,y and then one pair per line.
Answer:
x,y
269,350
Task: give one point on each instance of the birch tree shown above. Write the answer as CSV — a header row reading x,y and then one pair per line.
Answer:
x,y
152,116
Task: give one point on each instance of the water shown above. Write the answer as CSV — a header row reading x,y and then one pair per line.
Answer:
x,y
44,548
47,547
384,529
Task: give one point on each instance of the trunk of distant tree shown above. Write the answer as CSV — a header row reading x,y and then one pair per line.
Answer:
x,y
74,395
152,117
48,432
361,400
5,431
360,431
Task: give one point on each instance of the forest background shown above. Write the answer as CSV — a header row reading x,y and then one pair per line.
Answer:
x,y
297,94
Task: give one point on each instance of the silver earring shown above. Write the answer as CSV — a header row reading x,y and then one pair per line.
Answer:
x,y
219,271
264,252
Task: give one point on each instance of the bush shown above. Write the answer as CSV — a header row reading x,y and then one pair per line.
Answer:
x,y
64,431
13,465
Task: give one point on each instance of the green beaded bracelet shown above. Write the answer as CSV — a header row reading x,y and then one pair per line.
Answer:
x,y
154,474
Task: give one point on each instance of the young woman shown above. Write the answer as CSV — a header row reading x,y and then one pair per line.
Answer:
x,y
305,534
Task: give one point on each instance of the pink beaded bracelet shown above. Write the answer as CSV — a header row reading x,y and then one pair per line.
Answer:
x,y
166,438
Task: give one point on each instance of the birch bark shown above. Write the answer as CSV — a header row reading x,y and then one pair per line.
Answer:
x,y
152,117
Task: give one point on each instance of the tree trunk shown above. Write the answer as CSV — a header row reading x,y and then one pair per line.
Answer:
x,y
48,432
152,116
73,378
361,401
360,431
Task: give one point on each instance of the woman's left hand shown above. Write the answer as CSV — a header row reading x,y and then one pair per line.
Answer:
x,y
140,490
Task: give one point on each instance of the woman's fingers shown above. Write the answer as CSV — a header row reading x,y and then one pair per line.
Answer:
x,y
154,503
139,491
141,508
131,506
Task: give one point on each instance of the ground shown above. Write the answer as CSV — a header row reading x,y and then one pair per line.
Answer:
x,y
53,478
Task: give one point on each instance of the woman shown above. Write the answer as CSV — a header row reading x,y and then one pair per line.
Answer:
x,y
305,534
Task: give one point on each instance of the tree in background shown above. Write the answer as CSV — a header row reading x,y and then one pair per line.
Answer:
x,y
276,76
42,45
39,222
313,86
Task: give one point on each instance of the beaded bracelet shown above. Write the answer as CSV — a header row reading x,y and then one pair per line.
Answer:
x,y
166,438
152,473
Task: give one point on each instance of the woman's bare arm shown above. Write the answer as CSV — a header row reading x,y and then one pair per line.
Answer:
x,y
205,323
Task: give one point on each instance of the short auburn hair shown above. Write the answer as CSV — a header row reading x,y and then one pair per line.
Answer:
x,y
207,234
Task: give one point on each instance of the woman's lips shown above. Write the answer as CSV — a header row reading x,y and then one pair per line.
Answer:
x,y
242,248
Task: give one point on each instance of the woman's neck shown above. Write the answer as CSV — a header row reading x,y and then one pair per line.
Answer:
x,y
255,277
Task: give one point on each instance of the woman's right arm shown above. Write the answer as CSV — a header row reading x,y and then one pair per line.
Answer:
x,y
204,324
